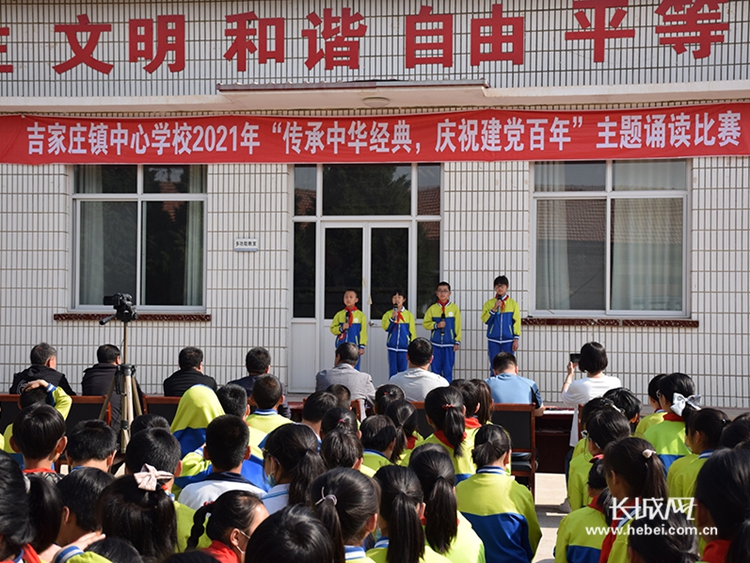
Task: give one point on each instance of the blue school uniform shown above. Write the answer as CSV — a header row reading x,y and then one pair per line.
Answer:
x,y
503,325
357,331
400,333
443,339
197,407
502,513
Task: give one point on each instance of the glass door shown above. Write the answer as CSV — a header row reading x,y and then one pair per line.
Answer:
x,y
372,259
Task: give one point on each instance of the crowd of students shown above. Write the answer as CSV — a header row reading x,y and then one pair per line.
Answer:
x,y
223,484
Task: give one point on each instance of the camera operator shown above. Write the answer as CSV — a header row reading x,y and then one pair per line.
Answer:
x,y
43,364
98,378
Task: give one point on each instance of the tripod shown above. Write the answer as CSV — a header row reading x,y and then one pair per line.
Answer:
x,y
123,381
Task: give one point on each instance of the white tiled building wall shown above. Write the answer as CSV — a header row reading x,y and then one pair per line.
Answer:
x,y
485,232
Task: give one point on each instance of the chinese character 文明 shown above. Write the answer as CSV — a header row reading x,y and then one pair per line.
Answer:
x,y
170,37
340,36
687,23
429,39
602,29
83,54
495,39
5,32
268,29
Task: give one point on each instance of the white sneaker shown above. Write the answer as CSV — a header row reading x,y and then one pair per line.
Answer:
x,y
564,507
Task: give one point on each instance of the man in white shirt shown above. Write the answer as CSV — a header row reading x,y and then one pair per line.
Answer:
x,y
417,381
227,439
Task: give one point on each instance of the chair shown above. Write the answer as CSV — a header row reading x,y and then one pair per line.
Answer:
x,y
9,408
423,427
519,421
162,406
86,408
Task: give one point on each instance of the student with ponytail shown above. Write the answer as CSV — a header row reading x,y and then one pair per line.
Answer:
x,y
341,448
445,412
472,397
580,534
634,473
404,417
233,519
602,427
339,418
722,511
291,462
446,530
484,412
500,510
677,398
346,502
399,518
702,435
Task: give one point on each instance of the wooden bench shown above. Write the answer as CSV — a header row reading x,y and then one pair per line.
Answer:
x,y
83,408
162,406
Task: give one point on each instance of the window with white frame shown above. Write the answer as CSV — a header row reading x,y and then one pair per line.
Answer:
x,y
140,230
611,237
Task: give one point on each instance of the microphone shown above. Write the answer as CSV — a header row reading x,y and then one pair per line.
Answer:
x,y
442,328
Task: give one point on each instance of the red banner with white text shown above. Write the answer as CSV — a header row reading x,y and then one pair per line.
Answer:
x,y
480,135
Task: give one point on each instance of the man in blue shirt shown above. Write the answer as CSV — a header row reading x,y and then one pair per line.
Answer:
x,y
509,387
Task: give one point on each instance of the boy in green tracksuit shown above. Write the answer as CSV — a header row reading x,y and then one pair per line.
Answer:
x,y
350,324
443,319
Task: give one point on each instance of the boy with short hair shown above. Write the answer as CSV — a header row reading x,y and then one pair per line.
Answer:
x,y
443,319
233,399
399,324
226,447
378,439
503,319
39,435
267,395
350,324
92,443
316,406
79,491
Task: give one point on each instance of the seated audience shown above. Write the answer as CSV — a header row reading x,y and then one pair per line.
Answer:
x,y
43,366
233,400
257,363
189,374
91,443
114,550
653,400
290,535
660,538
343,372
417,381
339,418
148,420
39,435
509,387
341,448
46,509
197,407
385,395
98,378
234,516
79,491
500,510
627,403
227,446
291,463
267,395
315,408
378,439
404,417
342,394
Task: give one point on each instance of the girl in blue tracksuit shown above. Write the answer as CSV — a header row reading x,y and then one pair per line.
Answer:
x,y
500,510
401,329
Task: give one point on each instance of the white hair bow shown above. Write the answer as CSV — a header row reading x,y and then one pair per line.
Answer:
x,y
679,402
148,477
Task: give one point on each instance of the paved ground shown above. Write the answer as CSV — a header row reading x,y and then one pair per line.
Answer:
x,y
550,492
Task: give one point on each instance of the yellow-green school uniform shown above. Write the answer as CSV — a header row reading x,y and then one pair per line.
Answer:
x,y
374,460
463,465
378,553
668,439
647,422
502,513
467,546
578,481
581,448
576,542
184,516
266,420
61,402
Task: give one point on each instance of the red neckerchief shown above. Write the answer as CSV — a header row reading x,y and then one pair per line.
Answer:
x,y
399,316
609,539
39,470
221,552
597,456
472,422
28,555
502,299
716,551
440,435
411,441
672,417
350,316
443,305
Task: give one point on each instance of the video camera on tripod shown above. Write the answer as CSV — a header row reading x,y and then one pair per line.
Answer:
x,y
123,381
